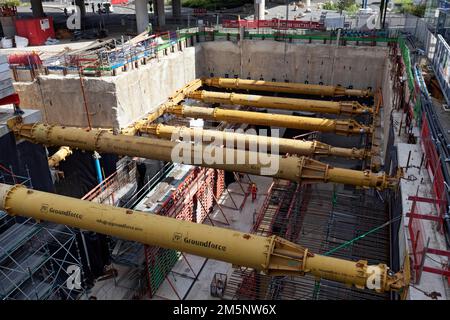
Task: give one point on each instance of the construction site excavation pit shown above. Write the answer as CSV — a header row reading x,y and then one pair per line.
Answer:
x,y
239,233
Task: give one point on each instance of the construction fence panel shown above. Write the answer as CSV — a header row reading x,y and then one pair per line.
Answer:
x,y
418,244
441,61
432,162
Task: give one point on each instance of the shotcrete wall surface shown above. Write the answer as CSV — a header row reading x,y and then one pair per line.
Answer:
x,y
361,67
116,101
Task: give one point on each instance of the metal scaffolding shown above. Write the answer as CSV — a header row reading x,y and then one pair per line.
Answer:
x,y
321,219
36,259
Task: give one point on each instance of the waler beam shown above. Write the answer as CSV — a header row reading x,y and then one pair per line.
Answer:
x,y
245,141
273,255
317,106
296,88
343,127
292,168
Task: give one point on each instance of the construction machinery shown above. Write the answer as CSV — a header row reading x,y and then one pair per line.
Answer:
x,y
317,106
338,126
291,168
285,87
272,255
247,141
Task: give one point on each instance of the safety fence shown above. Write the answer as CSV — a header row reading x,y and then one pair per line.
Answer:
x,y
441,61
420,241
433,165
433,142
111,57
122,180
116,56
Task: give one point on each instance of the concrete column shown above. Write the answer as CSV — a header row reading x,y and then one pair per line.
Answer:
x,y
260,8
37,8
176,8
142,20
160,12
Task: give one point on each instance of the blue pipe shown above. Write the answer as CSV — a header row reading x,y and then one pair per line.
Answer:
x,y
98,169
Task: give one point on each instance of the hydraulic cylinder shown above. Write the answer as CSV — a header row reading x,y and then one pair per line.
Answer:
x,y
247,141
258,163
317,106
342,127
285,87
271,255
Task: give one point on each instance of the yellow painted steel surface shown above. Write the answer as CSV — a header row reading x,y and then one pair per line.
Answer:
x,y
244,141
173,100
298,88
318,106
59,156
272,255
289,168
344,127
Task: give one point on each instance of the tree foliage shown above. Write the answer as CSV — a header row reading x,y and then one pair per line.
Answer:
x,y
10,3
349,6
408,6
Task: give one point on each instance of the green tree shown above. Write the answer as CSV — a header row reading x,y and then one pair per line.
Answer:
x,y
408,6
10,3
345,4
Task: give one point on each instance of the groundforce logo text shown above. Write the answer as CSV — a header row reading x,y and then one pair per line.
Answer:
x,y
206,244
68,213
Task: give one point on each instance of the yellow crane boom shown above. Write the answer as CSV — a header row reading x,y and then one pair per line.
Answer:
x,y
271,255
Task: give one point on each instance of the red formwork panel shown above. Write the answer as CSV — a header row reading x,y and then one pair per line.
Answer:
x,y
36,30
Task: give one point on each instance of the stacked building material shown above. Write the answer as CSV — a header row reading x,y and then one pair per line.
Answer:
x,y
186,212
220,183
191,200
6,82
205,195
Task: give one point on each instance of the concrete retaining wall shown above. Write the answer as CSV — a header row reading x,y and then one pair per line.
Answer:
x,y
116,101
358,66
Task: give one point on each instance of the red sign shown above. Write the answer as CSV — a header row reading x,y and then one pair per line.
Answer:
x,y
199,11
274,24
119,2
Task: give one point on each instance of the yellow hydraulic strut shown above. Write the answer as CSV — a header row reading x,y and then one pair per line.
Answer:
x,y
288,168
299,88
343,127
271,255
245,141
318,106
59,156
